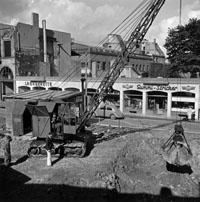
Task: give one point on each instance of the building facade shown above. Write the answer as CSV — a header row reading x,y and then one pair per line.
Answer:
x,y
34,58
28,50
161,97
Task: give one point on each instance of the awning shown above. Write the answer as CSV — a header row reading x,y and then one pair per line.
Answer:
x,y
35,95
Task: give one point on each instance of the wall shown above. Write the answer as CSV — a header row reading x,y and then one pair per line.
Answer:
x,y
27,36
98,57
30,51
27,50
63,57
7,33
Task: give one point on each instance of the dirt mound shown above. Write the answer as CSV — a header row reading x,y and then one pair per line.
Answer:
x,y
131,163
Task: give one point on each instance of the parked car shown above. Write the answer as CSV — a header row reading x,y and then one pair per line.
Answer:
x,y
109,111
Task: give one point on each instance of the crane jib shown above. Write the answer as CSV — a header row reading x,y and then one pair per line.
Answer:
x,y
136,37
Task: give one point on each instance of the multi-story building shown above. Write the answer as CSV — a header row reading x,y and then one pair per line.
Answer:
x,y
38,58
96,60
32,53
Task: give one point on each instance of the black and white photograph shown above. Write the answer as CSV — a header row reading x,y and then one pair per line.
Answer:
x,y
99,100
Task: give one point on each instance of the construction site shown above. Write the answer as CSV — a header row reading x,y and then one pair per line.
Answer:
x,y
102,152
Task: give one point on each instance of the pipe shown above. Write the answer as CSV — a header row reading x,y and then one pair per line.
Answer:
x,y
83,94
180,12
44,40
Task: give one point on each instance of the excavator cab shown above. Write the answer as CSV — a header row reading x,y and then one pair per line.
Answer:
x,y
176,150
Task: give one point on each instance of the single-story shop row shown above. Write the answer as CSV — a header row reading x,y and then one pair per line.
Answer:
x,y
167,97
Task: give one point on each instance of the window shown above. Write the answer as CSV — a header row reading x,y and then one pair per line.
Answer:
x,y
103,66
82,64
98,66
7,48
6,73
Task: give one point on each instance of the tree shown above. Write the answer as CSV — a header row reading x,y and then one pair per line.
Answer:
x,y
183,49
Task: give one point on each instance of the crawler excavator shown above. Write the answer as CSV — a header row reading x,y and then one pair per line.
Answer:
x,y
72,138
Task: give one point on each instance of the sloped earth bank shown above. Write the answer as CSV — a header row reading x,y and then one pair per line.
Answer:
x,y
127,168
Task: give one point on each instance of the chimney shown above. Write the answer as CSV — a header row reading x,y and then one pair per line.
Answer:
x,y
35,19
44,40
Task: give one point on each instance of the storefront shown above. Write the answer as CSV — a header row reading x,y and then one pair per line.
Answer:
x,y
143,96
163,98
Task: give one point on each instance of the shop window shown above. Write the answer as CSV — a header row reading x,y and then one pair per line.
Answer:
x,y
182,105
7,48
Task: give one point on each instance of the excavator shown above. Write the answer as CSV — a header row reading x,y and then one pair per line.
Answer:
x,y
75,143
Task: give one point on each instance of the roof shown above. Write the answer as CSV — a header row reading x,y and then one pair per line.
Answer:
x,y
49,105
35,95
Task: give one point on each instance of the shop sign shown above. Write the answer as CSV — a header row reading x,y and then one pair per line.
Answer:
x,y
157,87
188,88
38,83
127,86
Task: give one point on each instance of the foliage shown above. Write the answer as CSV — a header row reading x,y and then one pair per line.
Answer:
x,y
183,48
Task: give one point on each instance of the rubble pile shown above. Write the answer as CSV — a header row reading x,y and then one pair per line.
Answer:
x,y
125,163
134,163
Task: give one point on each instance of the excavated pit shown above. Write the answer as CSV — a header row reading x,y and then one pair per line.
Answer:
x,y
125,164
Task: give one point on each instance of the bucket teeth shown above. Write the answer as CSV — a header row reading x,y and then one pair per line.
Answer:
x,y
178,156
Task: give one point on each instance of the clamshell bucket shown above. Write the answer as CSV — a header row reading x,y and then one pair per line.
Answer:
x,y
176,150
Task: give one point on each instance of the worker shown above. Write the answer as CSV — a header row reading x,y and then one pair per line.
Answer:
x,y
58,126
53,122
7,151
49,146
189,113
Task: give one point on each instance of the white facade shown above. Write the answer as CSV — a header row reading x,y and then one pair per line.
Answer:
x,y
166,90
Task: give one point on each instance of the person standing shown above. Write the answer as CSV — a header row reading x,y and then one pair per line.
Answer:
x,y
49,146
53,122
189,113
7,151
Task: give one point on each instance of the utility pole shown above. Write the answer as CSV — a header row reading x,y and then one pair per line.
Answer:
x,y
180,12
86,83
83,94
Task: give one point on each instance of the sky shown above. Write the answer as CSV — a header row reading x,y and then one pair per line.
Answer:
x,y
90,21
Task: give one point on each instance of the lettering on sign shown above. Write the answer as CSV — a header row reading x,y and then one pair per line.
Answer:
x,y
157,87
38,83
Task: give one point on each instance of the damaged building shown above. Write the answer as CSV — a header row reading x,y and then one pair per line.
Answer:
x,y
31,51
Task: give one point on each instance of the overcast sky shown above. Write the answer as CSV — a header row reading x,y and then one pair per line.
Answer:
x,y
89,21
